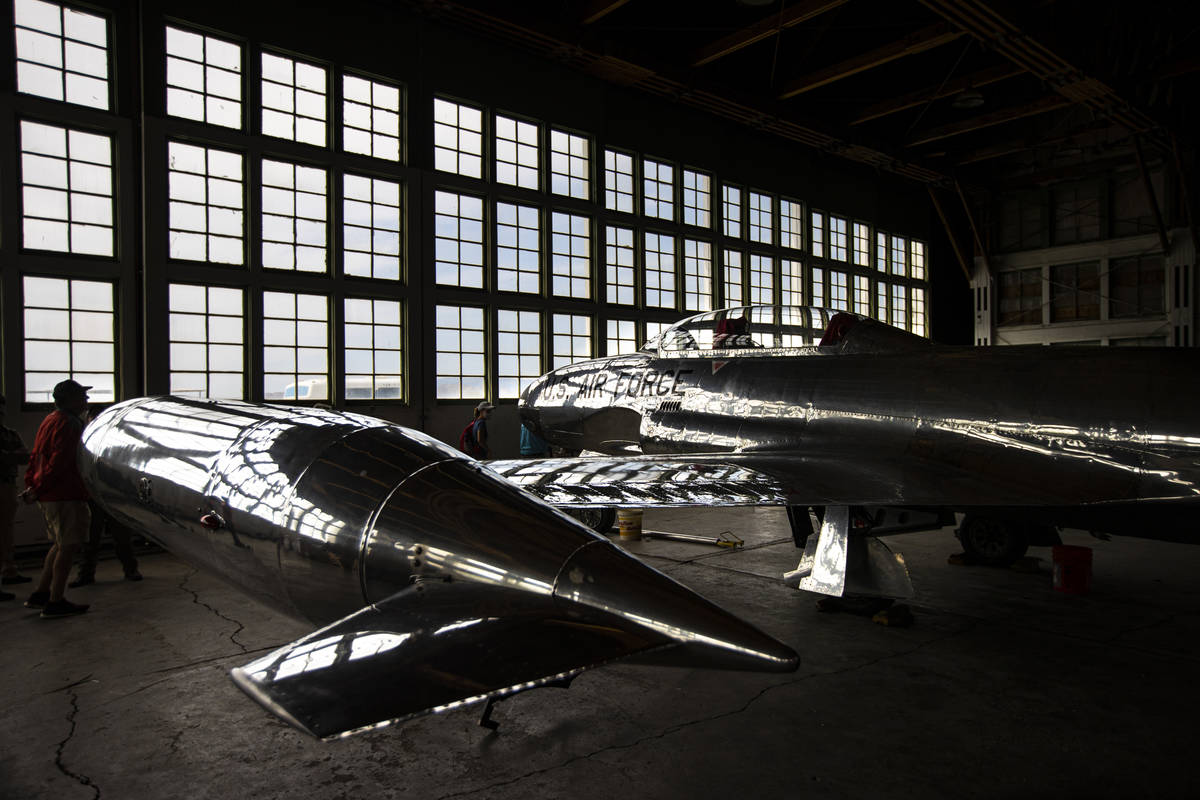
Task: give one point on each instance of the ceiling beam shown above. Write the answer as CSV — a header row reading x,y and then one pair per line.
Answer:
x,y
917,42
763,29
1042,106
1078,136
672,89
922,96
597,9
997,33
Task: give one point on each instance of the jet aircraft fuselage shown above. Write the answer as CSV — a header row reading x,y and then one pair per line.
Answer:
x,y
878,416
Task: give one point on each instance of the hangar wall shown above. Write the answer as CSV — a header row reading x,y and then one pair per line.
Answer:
x,y
265,200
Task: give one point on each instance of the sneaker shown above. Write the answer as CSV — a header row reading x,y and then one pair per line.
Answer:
x,y
62,608
11,580
133,576
82,580
7,596
38,600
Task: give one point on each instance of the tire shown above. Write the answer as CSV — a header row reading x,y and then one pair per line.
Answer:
x,y
992,541
600,520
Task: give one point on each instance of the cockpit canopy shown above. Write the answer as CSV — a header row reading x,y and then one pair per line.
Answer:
x,y
764,327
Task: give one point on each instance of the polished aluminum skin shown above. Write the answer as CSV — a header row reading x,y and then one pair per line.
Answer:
x,y
1101,438
437,582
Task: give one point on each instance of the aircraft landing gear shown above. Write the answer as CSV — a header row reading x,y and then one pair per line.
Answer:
x,y
992,541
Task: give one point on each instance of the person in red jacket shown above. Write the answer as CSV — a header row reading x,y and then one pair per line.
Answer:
x,y
53,480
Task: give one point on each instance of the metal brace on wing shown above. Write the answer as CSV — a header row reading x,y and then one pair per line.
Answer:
x,y
845,560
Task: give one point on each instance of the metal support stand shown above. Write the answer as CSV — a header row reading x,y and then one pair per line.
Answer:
x,y
485,719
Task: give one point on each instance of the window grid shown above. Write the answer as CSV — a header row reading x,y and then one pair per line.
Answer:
x,y
69,329
862,295
818,287
862,245
621,337
838,291
881,252
518,248
881,302
458,240
569,165
293,100
459,340
818,234
697,275
571,341
516,153
837,238
207,341
655,328
620,272
762,208
697,199
370,227
204,78
206,204
374,363
457,138
791,282
916,260
898,251
570,255
917,304
519,350
791,224
295,346
62,53
659,270
294,217
733,278
66,190
762,279
900,306
370,118
731,211
658,189
618,181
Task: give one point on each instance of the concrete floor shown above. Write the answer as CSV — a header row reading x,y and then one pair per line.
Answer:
x,y
1002,688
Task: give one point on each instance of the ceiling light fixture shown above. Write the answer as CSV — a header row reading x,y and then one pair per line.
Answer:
x,y
967,98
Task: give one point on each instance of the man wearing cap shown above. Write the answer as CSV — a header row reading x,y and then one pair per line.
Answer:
x,y
53,480
479,429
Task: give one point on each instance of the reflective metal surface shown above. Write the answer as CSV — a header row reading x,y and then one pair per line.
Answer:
x,y
878,418
439,582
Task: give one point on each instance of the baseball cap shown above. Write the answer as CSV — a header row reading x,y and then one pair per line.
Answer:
x,y
484,406
69,388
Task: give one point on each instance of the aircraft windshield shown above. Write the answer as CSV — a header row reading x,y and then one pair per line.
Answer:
x,y
744,328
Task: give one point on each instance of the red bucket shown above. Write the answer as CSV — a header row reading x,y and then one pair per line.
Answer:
x,y
1072,568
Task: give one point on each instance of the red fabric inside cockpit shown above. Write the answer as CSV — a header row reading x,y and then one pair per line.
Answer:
x,y
838,327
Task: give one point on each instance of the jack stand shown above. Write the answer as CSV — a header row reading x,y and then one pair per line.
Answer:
x,y
485,719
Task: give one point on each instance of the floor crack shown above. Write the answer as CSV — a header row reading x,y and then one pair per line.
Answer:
x,y
58,755
703,720
196,599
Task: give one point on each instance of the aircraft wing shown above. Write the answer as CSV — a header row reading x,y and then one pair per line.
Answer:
x,y
936,468
428,649
591,482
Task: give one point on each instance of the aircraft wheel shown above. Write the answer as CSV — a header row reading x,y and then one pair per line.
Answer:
x,y
600,520
991,541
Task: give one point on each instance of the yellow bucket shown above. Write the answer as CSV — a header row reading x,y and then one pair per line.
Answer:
x,y
629,523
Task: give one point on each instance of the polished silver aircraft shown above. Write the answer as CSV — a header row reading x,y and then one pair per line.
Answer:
x,y
882,430
436,582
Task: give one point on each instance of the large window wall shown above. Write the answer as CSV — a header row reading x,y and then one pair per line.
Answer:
x,y
267,218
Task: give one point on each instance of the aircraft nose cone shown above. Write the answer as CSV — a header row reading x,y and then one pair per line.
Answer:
x,y
602,577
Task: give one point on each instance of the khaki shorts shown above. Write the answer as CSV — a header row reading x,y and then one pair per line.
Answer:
x,y
67,521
